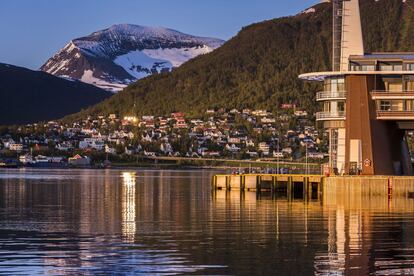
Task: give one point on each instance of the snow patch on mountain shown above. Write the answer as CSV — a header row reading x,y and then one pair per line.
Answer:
x,y
140,65
125,53
177,56
310,10
88,77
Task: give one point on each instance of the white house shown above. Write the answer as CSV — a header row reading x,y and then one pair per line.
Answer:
x,y
16,147
278,154
232,148
166,148
110,150
65,146
92,143
264,148
267,120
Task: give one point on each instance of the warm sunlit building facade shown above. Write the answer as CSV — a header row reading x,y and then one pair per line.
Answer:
x,y
367,101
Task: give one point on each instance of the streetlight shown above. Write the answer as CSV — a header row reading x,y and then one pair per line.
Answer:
x,y
306,158
278,150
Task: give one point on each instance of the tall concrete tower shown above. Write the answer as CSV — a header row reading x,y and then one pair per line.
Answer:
x,y
352,42
337,34
347,33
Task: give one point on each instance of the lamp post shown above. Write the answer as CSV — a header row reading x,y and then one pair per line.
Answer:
x,y
306,158
278,150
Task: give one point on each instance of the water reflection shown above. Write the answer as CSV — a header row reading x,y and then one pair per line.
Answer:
x,y
370,231
128,205
169,222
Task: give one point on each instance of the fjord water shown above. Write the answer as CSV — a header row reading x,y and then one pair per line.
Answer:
x,y
71,222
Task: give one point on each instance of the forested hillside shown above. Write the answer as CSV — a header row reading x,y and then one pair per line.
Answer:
x,y
258,68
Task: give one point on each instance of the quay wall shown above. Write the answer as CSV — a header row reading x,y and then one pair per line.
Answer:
x,y
362,185
371,185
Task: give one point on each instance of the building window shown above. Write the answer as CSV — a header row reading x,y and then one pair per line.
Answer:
x,y
397,105
362,67
327,106
393,84
410,85
409,67
335,85
409,105
390,67
396,87
341,106
385,106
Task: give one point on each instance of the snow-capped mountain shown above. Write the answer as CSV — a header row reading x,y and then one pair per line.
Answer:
x,y
115,57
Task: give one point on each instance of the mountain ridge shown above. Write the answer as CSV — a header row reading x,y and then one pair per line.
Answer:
x,y
119,55
31,96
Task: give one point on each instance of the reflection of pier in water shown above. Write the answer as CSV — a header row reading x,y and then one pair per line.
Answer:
x,y
352,216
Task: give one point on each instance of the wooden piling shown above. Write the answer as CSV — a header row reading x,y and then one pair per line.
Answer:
x,y
305,190
228,183
290,188
274,184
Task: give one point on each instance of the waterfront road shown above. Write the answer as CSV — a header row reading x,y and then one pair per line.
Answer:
x,y
270,162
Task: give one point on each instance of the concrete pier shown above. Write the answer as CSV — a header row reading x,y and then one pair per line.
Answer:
x,y
312,186
308,185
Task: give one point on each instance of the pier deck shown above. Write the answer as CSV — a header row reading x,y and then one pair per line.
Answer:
x,y
311,186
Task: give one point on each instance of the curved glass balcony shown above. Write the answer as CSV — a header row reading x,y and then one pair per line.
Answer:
x,y
330,95
330,116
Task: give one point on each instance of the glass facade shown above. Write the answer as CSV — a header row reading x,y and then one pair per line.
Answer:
x,y
380,66
395,105
409,66
390,67
356,67
334,85
409,85
335,88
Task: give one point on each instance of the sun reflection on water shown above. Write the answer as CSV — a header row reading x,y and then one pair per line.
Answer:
x,y
129,205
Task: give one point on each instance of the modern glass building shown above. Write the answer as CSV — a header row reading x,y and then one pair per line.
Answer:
x,y
367,101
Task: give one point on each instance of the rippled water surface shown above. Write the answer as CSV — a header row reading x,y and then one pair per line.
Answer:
x,y
75,222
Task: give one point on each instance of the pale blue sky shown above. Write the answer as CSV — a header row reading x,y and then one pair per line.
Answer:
x,y
33,30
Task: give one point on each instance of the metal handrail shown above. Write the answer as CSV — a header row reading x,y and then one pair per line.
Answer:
x,y
326,95
328,115
391,68
391,92
389,95
383,68
395,115
396,112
